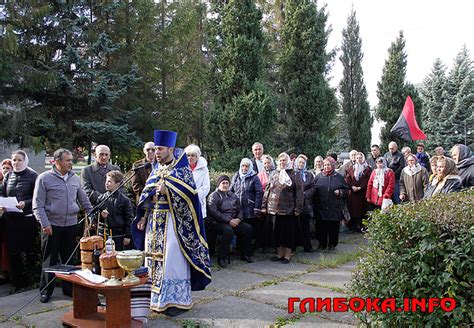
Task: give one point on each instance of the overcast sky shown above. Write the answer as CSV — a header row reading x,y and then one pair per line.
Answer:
x,y
432,29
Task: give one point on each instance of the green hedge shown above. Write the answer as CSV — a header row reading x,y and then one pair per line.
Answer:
x,y
213,175
421,250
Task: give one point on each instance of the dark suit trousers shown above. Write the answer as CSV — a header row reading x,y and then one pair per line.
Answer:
x,y
328,233
61,243
244,238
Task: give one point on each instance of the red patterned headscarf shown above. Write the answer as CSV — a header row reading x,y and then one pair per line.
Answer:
x,y
333,165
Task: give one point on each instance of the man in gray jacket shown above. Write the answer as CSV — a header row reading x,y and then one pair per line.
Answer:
x,y
93,176
55,206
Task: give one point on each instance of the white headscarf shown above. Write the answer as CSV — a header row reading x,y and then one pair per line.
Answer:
x,y
25,161
359,168
250,170
412,170
283,177
379,179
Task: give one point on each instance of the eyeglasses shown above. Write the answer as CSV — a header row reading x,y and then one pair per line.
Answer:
x,y
150,149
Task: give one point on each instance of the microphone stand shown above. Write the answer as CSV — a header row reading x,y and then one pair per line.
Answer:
x,y
98,206
86,226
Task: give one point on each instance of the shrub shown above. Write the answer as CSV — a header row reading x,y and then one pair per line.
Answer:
x,y
420,250
214,175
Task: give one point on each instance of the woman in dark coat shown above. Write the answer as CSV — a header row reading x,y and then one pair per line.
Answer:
x,y
21,227
307,215
283,200
329,189
357,178
446,180
247,187
223,210
465,163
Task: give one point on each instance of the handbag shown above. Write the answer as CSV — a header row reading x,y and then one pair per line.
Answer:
x,y
345,211
386,203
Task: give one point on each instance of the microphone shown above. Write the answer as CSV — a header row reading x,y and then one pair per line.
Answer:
x,y
145,166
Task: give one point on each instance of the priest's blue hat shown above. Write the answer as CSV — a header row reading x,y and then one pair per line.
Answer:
x,y
165,138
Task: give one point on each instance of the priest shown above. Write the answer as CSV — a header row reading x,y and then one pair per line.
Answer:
x,y
169,228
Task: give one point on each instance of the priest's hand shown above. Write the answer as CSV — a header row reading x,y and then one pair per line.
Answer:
x,y
141,225
126,241
160,187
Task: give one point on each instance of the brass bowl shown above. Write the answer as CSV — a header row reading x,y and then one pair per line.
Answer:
x,y
130,260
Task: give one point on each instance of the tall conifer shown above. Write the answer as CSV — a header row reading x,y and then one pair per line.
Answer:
x,y
243,108
352,88
309,103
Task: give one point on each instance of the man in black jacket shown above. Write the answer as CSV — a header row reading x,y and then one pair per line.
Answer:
x,y
396,162
223,208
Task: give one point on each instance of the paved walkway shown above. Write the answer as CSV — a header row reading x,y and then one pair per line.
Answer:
x,y
243,295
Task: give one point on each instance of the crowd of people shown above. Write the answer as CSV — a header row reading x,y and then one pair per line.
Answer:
x,y
267,204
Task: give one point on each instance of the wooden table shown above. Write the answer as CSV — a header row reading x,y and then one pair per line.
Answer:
x,y
85,311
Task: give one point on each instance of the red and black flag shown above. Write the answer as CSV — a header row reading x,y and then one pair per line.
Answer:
x,y
406,126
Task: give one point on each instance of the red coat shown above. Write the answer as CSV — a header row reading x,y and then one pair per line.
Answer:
x,y
387,189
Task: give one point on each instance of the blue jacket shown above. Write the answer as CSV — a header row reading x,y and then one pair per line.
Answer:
x,y
250,194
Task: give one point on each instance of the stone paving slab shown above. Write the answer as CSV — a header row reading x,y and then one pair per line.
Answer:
x,y
349,266
348,248
205,295
315,321
47,319
163,323
233,280
314,257
233,311
275,269
13,302
278,296
10,324
330,277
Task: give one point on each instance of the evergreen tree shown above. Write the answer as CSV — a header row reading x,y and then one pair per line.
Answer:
x,y
341,141
433,94
61,82
459,105
310,104
243,108
352,87
391,90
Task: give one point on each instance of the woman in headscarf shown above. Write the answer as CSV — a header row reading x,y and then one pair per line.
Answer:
x,y
381,184
268,167
465,163
283,200
413,180
357,178
447,179
246,186
4,264
318,166
307,215
329,190
433,161
21,227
